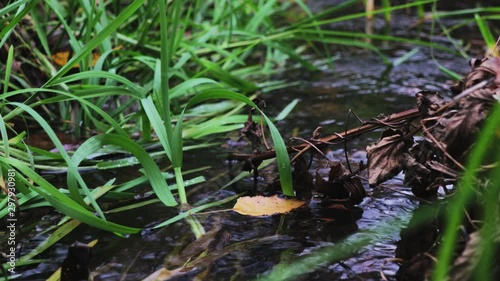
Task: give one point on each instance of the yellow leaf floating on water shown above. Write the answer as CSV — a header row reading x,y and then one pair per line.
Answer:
x,y
265,206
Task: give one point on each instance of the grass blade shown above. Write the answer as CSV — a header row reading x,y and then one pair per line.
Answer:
x,y
152,171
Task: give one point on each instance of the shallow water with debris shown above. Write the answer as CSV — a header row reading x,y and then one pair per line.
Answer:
x,y
245,248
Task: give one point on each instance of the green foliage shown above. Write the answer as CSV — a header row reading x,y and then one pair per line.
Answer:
x,y
150,67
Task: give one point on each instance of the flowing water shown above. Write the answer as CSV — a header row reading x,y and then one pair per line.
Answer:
x,y
244,248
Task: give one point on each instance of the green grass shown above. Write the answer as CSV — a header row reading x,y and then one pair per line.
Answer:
x,y
172,77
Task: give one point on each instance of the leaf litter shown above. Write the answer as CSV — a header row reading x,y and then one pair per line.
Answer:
x,y
428,144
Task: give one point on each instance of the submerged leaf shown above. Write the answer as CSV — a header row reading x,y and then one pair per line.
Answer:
x,y
386,157
265,206
341,185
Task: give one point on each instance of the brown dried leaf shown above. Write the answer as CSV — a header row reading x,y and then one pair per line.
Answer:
x,y
340,185
356,191
481,70
321,185
461,129
429,102
252,132
386,157
302,179
337,171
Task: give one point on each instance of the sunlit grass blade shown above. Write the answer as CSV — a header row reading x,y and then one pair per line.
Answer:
x,y
285,111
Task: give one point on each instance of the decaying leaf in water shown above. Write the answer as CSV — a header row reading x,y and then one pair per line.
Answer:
x,y
423,180
302,179
265,206
429,102
481,70
340,185
386,157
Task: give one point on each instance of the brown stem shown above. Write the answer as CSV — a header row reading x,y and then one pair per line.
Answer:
x,y
369,126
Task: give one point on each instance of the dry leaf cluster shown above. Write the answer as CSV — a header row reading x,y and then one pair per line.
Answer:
x,y
449,129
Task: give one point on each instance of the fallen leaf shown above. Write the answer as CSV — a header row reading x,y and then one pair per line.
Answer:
x,y
265,206
386,157
341,185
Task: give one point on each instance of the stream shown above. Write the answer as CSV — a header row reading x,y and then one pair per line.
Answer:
x,y
245,248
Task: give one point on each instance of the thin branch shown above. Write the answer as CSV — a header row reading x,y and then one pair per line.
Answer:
x,y
335,138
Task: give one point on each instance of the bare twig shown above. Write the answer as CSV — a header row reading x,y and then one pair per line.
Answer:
x,y
407,115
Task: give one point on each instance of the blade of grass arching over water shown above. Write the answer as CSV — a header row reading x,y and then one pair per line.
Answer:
x,y
152,171
182,88
132,89
62,96
282,157
98,39
464,193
